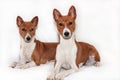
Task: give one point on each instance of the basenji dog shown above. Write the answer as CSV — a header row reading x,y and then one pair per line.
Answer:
x,y
32,52
70,54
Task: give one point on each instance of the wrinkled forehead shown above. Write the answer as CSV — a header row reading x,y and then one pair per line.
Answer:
x,y
65,19
27,25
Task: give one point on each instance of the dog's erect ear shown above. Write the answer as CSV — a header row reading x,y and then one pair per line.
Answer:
x,y
35,20
56,14
19,21
72,12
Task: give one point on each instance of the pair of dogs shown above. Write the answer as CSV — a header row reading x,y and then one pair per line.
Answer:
x,y
67,53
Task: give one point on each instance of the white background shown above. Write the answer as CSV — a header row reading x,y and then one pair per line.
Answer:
x,y
98,23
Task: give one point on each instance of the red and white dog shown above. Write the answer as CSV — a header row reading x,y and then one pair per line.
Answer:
x,y
32,51
70,54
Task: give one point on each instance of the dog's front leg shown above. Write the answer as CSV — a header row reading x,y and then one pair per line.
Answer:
x,y
27,65
55,71
13,64
20,61
17,63
61,75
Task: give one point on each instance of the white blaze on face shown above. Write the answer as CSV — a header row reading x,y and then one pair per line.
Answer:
x,y
27,35
68,31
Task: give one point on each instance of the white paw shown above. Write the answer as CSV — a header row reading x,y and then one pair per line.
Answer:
x,y
18,67
24,66
51,77
97,64
13,65
59,77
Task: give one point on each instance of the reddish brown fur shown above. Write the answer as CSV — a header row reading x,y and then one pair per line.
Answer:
x,y
84,49
43,52
27,27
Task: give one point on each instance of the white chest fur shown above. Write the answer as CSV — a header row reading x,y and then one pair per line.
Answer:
x,y
26,50
66,51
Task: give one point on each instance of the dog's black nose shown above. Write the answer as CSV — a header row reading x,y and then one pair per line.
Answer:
x,y
28,38
66,34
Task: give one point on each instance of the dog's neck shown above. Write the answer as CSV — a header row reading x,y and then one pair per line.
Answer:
x,y
64,41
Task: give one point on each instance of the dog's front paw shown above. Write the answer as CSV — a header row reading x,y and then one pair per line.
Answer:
x,y
18,67
13,65
59,77
51,77
97,64
21,66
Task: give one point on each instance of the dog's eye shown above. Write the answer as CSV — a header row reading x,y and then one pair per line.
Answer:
x,y
70,23
60,24
31,30
24,29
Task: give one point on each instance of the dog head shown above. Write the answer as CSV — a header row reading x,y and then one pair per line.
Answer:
x,y
27,29
65,24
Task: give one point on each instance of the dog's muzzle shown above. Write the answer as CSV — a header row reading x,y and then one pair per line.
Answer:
x,y
66,35
27,38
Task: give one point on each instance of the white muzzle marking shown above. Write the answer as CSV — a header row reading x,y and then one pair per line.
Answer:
x,y
66,33
27,38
